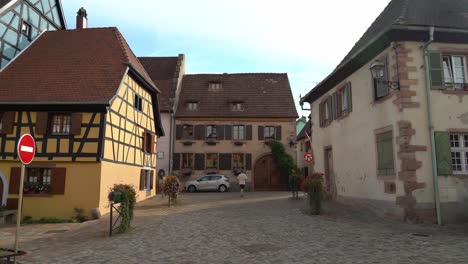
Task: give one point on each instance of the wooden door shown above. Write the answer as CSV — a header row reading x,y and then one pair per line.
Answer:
x,y
1,191
267,176
329,178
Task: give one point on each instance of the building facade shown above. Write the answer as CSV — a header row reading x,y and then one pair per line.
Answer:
x,y
95,127
224,123
166,73
22,21
304,146
389,124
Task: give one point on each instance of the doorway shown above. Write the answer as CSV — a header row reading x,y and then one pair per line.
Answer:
x,y
267,176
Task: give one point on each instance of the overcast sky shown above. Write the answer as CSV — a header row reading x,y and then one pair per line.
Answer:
x,y
303,38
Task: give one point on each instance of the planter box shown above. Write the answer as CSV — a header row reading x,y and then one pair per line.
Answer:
x,y
211,141
8,217
239,143
188,143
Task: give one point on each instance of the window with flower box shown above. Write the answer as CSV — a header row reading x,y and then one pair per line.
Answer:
x,y
269,133
211,132
238,132
37,180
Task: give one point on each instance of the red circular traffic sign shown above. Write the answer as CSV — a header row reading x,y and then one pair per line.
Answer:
x,y
26,148
308,156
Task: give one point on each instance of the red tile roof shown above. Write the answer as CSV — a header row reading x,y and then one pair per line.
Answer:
x,y
70,66
261,95
163,71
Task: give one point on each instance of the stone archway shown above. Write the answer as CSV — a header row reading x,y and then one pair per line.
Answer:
x,y
267,176
3,189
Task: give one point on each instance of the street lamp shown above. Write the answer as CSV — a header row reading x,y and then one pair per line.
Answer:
x,y
378,69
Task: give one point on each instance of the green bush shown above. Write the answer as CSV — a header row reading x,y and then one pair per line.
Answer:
x,y
127,204
283,160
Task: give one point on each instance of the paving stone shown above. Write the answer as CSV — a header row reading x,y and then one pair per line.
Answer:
x,y
259,228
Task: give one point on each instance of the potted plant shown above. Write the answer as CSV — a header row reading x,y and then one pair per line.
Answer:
x,y
171,187
313,185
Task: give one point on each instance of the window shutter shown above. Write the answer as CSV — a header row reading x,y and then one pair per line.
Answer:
x,y
8,121
227,132
248,130
153,143
200,132
151,179
41,123
349,96
179,129
142,179
334,106
225,161
278,133
248,161
443,153
145,139
321,115
381,89
385,154
57,181
15,174
220,132
436,70
76,120
330,110
176,161
260,133
199,161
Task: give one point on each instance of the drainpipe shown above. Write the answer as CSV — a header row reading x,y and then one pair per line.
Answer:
x,y
431,126
171,143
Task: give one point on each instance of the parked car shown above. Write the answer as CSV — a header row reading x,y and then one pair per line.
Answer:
x,y
209,182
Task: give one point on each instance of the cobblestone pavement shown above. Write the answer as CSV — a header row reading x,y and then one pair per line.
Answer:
x,y
259,228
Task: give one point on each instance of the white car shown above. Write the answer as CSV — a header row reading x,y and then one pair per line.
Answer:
x,y
209,183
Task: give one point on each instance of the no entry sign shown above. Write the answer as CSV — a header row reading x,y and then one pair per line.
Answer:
x,y
26,148
308,157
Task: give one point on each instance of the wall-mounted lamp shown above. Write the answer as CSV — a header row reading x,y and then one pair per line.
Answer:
x,y
378,69
291,143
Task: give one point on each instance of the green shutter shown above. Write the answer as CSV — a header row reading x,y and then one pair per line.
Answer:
x,y
385,154
334,107
349,96
330,111
320,115
436,70
443,153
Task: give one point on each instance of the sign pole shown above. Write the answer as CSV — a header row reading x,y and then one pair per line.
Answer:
x,y
20,206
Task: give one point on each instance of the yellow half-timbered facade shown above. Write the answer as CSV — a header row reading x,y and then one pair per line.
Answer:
x,y
91,133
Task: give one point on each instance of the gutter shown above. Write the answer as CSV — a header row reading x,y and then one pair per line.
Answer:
x,y
431,126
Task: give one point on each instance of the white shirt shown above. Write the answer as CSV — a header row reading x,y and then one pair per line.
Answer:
x,y
241,178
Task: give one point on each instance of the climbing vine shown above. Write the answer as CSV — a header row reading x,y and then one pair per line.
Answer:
x,y
283,160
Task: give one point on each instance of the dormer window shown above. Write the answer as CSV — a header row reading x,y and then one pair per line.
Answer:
x,y
192,106
237,106
26,29
214,86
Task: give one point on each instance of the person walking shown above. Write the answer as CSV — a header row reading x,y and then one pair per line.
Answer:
x,y
241,178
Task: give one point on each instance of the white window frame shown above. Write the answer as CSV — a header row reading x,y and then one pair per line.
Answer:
x,y
463,150
147,179
236,132
192,106
59,124
268,128
452,72
344,100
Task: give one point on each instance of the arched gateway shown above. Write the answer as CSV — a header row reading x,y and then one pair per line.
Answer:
x,y
267,176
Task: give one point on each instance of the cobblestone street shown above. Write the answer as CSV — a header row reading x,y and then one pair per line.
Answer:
x,y
259,228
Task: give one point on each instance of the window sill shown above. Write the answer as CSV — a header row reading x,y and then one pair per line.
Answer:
x,y
186,171
238,142
38,195
455,92
188,143
211,171
211,141
382,99
386,177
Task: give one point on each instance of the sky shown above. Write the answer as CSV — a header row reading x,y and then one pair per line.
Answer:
x,y
303,38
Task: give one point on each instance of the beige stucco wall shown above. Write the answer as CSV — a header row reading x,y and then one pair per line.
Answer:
x,y
255,147
164,143
352,137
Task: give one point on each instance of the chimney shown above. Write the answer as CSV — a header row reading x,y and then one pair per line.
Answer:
x,y
81,19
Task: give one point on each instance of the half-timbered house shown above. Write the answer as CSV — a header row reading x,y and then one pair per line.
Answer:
x,y
94,113
23,21
166,73
225,121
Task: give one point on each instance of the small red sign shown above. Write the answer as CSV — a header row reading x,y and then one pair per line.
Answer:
x,y
26,148
308,156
